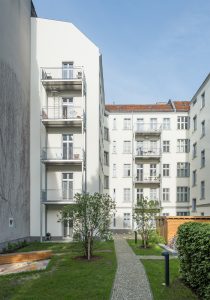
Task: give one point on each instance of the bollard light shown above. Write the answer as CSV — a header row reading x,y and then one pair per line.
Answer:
x,y
166,255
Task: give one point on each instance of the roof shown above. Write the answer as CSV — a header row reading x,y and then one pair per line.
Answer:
x,y
170,106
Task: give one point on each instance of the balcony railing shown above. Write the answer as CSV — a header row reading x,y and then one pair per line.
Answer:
x,y
55,74
62,112
59,195
147,152
147,179
148,128
67,153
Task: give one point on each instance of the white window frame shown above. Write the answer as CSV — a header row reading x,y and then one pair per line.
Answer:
x,y
127,147
127,123
166,194
166,170
166,146
127,170
126,195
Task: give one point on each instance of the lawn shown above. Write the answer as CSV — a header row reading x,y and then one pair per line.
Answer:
x,y
152,250
65,277
176,291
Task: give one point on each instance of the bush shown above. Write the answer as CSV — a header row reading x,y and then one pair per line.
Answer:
x,y
155,238
193,244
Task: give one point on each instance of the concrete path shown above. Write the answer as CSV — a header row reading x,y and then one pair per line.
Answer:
x,y
131,282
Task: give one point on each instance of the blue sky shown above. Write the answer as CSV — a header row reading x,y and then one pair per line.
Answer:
x,y
153,50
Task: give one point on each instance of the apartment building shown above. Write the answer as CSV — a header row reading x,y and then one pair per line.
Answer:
x,y
200,150
149,156
67,123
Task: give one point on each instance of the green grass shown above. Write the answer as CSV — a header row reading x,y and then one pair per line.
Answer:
x,y
176,291
65,277
152,250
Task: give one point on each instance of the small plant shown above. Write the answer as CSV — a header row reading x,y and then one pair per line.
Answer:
x,y
155,238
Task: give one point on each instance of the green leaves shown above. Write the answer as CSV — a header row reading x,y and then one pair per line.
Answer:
x,y
193,245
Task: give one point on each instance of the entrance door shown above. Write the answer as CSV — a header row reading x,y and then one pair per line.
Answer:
x,y
67,186
67,70
68,228
67,108
67,146
140,172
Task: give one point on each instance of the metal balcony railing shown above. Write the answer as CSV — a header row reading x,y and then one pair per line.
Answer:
x,y
59,195
65,153
147,179
148,152
147,128
71,73
62,112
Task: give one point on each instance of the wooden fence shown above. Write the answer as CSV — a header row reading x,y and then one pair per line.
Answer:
x,y
167,226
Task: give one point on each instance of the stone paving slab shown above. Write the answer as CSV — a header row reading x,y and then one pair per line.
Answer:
x,y
131,281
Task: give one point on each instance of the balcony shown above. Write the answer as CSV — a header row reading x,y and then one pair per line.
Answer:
x,y
59,196
63,79
63,156
59,116
147,180
147,129
147,154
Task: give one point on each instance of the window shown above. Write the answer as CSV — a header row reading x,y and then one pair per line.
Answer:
x,y
202,213
67,70
127,220
203,159
106,158
139,148
67,186
182,122
166,146
165,214
153,146
127,170
182,194
194,101
153,123
183,145
127,147
127,195
193,204
182,213
106,182
106,134
183,169
140,125
153,194
126,123
139,194
194,123
153,170
114,147
166,123
203,189
194,150
166,194
203,131
114,124
114,170
194,177
166,170
203,100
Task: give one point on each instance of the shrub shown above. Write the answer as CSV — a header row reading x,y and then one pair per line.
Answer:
x,y
193,244
155,238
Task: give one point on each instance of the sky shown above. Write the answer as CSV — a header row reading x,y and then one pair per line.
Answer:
x,y
153,50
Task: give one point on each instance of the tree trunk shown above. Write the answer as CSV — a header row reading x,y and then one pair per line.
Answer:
x,y
89,248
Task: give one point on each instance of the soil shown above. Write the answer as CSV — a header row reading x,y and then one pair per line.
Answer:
x,y
84,258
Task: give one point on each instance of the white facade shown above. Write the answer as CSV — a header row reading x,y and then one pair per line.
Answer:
x,y
200,150
67,108
146,150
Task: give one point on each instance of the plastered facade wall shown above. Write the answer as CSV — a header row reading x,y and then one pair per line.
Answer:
x,y
15,119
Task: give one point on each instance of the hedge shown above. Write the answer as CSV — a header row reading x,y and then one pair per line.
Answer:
x,y
193,245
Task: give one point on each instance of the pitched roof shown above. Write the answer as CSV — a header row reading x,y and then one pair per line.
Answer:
x,y
170,106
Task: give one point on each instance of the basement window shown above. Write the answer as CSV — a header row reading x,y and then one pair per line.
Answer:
x,y
11,222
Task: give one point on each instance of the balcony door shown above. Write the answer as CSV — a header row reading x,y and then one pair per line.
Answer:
x,y
67,70
68,228
140,172
67,186
67,108
68,146
140,124
139,147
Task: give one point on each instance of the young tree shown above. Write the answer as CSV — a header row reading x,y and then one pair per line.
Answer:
x,y
144,214
91,215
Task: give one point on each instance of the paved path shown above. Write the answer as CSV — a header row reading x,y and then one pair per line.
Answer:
x,y
131,282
